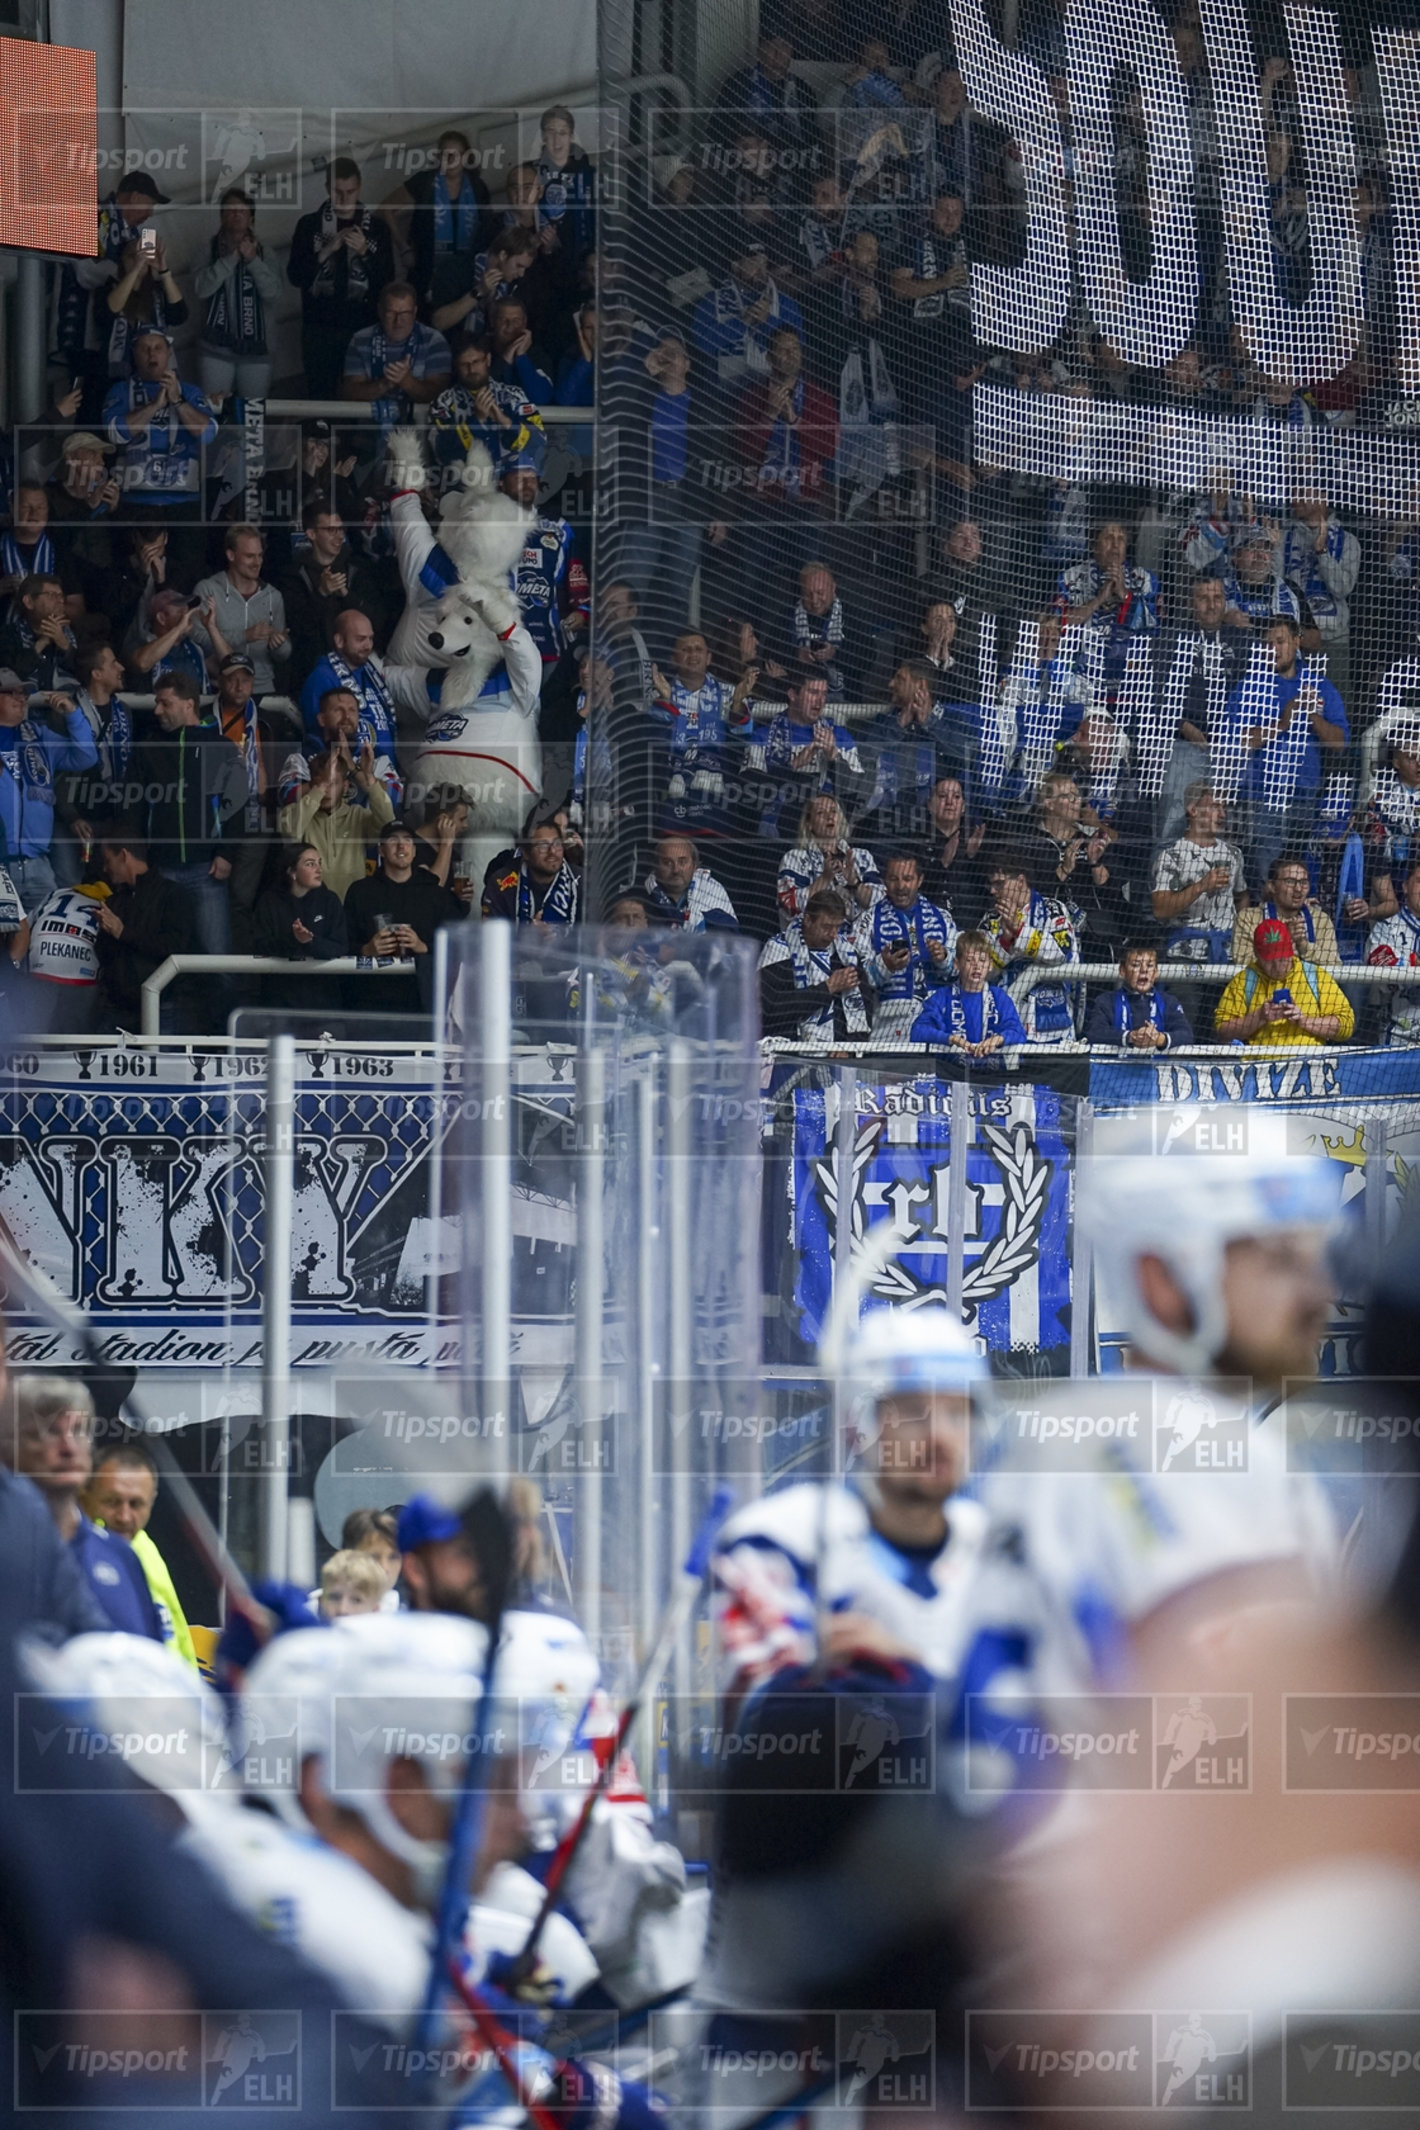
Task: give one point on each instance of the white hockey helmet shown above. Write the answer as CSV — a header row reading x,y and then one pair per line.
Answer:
x,y
385,1687
890,1352
137,1703
1186,1208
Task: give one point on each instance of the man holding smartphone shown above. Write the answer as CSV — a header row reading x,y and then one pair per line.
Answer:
x,y
1279,998
395,914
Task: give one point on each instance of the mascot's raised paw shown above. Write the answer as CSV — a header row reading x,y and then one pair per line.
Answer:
x,y
405,461
498,608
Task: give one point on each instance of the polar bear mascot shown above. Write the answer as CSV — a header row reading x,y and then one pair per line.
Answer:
x,y
460,624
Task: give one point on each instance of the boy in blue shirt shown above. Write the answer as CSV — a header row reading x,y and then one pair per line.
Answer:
x,y
1138,1015
969,1014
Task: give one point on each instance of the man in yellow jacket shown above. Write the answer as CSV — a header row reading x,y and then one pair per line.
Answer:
x,y
1280,998
120,1496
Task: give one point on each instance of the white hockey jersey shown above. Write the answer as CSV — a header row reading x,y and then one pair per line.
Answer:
x,y
63,932
1112,1543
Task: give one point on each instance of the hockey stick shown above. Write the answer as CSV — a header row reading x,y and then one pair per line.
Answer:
x,y
206,1540
486,1525
677,1611
500,2043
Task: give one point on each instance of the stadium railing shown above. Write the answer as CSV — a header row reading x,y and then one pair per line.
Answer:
x,y
253,965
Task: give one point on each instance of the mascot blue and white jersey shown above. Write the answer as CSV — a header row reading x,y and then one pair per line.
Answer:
x,y
1112,1543
550,580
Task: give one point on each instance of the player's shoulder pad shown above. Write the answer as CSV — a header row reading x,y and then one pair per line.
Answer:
x,y
796,1519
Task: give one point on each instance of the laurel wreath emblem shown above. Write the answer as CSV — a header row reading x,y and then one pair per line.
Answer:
x,y
1025,1174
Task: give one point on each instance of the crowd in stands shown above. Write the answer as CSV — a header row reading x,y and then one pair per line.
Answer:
x,y
915,723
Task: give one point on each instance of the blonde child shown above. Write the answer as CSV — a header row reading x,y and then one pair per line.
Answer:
x,y
350,1582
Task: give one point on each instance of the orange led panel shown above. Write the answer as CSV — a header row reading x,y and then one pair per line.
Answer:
x,y
48,147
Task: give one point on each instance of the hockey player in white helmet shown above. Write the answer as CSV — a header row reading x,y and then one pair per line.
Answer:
x,y
354,1735
1215,1263
141,1706
626,1889
883,1563
855,1616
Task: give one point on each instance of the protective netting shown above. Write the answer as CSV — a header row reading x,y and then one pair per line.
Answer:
x,y
1006,438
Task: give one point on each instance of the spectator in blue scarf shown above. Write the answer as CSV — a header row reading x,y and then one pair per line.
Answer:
x,y
235,286
1138,1014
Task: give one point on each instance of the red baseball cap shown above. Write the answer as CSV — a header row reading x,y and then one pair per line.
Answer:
x,y
1272,941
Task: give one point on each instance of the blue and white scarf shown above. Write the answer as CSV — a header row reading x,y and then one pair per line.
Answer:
x,y
917,928
1301,564
814,965
558,905
956,1013
14,564
781,466
819,243
235,318
1269,909
370,692
1123,1022
454,221
116,744
394,407
811,630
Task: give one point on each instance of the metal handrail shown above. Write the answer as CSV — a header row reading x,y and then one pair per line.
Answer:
x,y
363,410
254,965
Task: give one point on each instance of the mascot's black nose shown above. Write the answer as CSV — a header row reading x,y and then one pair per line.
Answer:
x,y
436,643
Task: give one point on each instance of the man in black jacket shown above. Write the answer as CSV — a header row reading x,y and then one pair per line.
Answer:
x,y
323,581
396,912
145,919
341,257
194,785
